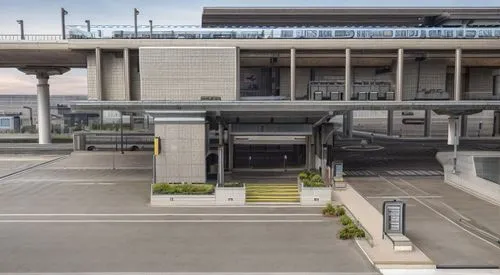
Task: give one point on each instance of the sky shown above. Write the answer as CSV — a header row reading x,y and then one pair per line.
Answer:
x,y
43,17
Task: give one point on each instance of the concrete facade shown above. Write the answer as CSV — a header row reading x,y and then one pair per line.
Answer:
x,y
182,157
187,73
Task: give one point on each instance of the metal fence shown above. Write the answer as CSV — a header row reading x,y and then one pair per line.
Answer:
x,y
31,37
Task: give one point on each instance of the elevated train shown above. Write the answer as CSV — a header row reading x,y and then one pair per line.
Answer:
x,y
316,33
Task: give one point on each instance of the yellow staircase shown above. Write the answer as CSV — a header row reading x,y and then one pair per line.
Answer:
x,y
272,193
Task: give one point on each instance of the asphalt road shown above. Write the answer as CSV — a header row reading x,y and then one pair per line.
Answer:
x,y
434,214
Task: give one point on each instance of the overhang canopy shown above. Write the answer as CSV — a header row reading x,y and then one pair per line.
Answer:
x,y
343,16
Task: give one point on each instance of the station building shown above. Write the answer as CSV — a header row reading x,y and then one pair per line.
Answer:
x,y
268,87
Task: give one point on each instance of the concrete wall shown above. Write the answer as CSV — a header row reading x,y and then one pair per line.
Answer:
x,y
188,73
481,84
432,76
91,77
302,78
466,177
113,76
182,157
135,77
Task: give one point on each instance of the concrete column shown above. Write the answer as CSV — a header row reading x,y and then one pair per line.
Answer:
x,y
292,74
427,123
496,123
43,108
98,73
237,76
348,75
463,126
458,74
308,151
43,74
317,148
126,73
230,148
390,122
399,76
220,172
349,121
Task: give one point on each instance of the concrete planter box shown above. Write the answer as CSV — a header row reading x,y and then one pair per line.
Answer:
x,y
182,200
315,196
230,195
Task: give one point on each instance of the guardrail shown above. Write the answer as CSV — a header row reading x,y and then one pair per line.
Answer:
x,y
31,37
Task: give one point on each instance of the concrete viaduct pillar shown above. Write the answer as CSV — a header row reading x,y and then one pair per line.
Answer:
x,y
43,92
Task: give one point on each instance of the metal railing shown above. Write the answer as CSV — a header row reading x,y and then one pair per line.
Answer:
x,y
31,37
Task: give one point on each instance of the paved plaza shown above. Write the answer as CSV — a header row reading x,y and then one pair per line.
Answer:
x,y
63,217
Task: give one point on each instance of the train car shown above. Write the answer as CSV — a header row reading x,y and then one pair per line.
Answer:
x,y
313,33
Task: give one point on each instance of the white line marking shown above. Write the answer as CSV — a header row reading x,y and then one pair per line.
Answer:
x,y
403,197
159,215
161,221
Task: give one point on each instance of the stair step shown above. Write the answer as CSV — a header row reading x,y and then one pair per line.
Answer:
x,y
272,200
272,196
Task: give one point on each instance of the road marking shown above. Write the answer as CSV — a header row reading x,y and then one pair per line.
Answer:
x,y
414,187
91,183
161,221
208,273
404,197
437,212
160,215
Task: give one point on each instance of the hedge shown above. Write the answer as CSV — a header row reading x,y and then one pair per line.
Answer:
x,y
311,179
183,189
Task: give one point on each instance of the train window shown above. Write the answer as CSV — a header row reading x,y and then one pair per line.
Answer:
x,y
4,122
485,33
325,34
401,33
344,34
287,34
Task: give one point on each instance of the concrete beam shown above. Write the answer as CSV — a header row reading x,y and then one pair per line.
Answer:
x,y
281,44
287,108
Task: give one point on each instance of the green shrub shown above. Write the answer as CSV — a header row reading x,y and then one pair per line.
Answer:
x,y
313,184
339,211
233,184
329,210
351,231
304,175
184,189
345,220
311,179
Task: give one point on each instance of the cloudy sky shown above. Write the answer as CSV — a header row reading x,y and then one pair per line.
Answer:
x,y
43,17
